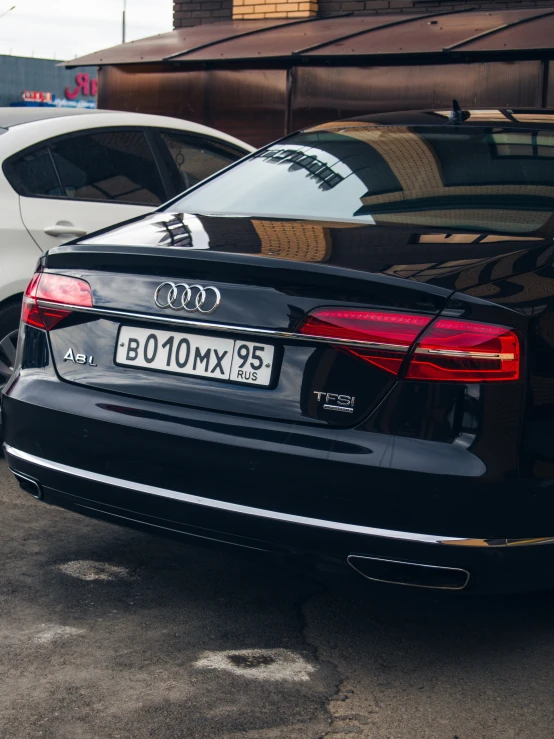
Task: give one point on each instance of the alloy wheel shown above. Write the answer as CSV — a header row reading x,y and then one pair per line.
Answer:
x,y
8,346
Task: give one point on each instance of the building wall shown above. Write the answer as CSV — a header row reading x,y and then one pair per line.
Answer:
x,y
19,73
330,7
195,12
256,105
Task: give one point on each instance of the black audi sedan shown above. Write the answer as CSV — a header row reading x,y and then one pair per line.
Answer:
x,y
341,346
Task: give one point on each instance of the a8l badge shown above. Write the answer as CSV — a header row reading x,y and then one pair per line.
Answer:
x,y
70,356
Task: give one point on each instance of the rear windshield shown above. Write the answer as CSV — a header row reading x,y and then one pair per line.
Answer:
x,y
473,179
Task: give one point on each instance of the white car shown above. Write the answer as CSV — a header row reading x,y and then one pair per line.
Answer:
x,y
67,172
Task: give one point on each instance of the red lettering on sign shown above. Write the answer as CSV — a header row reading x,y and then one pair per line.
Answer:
x,y
85,86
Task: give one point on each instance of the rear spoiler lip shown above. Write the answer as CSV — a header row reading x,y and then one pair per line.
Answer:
x,y
96,256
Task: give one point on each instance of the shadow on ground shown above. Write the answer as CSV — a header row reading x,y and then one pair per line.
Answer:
x,y
106,632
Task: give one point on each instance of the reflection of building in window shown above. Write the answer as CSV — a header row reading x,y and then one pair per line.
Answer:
x,y
177,233
522,144
487,219
315,168
305,242
535,118
420,173
412,160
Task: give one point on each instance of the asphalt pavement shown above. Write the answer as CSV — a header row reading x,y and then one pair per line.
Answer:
x,y
107,633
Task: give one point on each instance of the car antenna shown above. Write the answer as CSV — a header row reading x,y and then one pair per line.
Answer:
x,y
457,115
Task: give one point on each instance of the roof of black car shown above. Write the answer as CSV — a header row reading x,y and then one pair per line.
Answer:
x,y
17,115
500,117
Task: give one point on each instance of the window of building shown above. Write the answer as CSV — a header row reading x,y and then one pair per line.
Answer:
x,y
523,144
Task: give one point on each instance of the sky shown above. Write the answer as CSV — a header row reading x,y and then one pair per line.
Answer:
x,y
65,29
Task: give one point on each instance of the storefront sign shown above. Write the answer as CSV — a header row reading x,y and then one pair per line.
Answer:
x,y
31,96
65,103
85,86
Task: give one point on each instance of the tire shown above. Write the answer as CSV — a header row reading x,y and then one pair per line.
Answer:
x,y
9,326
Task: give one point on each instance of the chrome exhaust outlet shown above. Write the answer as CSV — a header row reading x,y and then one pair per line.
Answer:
x,y
412,574
28,484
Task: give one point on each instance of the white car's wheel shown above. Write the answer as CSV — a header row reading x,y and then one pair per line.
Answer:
x,y
9,327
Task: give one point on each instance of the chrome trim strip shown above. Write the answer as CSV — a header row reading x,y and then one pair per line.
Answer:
x,y
264,513
470,355
221,504
352,557
225,327
503,542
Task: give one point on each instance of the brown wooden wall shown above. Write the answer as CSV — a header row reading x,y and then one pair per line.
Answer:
x,y
246,103
253,104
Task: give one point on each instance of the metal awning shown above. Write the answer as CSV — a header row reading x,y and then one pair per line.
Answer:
x,y
433,33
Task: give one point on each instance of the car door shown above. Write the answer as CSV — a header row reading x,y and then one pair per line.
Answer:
x,y
88,180
191,157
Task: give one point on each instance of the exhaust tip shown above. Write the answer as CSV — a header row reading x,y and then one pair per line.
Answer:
x,y
29,485
412,574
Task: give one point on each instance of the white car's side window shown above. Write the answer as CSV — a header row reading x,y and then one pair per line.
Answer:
x,y
197,158
33,174
109,165
112,165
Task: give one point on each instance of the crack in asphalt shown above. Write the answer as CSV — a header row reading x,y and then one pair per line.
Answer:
x,y
315,651
340,723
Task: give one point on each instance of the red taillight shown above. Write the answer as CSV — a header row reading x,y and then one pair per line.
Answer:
x,y
448,350
465,351
382,337
30,313
53,289
62,289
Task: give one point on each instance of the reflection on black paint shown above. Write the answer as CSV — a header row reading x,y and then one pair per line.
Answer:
x,y
174,232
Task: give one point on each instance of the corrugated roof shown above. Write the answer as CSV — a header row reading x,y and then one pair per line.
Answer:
x,y
407,33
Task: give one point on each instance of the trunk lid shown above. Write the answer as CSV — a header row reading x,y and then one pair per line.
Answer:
x,y
268,274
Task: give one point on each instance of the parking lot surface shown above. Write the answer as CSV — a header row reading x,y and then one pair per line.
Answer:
x,y
111,633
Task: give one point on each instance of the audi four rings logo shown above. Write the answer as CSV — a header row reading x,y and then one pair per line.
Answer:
x,y
180,296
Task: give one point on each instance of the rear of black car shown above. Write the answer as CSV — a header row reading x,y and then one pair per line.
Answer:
x,y
341,347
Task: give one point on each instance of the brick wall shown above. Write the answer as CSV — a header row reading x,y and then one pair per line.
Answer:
x,y
195,12
255,9
330,7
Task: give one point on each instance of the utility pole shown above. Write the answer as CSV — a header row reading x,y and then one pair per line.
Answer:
x,y
123,21
7,11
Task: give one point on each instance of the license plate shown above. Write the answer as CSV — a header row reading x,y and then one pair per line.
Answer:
x,y
191,354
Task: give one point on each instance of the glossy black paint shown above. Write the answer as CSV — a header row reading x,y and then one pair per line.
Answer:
x,y
449,459
302,369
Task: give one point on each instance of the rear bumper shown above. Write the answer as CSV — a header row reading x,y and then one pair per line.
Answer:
x,y
295,489
473,564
